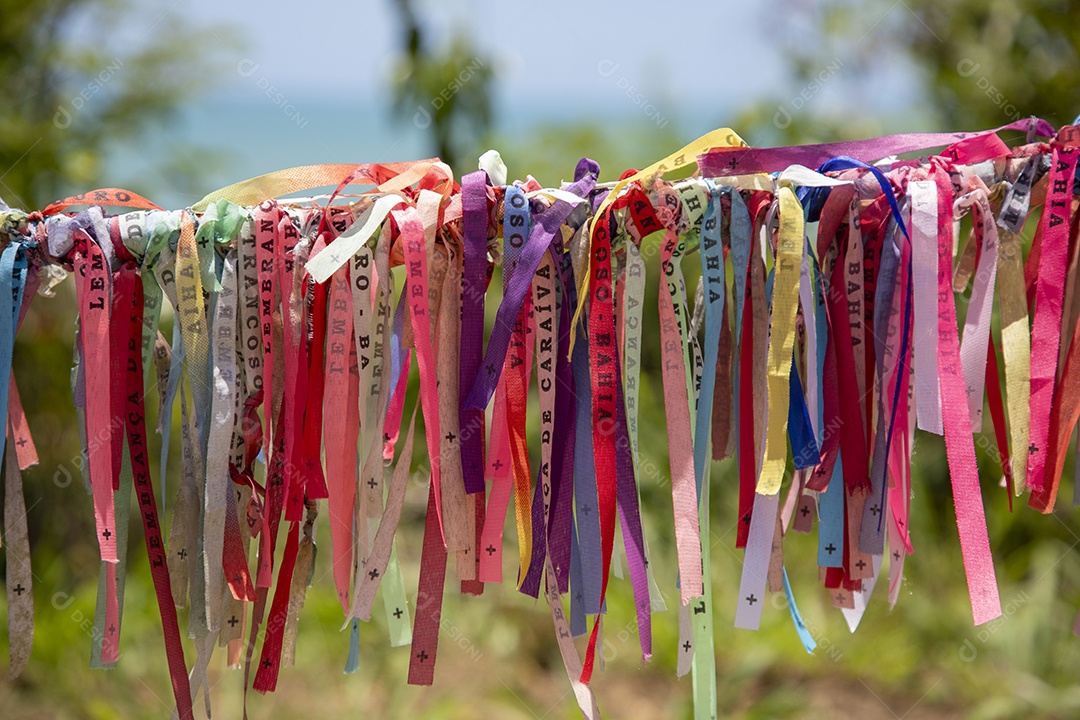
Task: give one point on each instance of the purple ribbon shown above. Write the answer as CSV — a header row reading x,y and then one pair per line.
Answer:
x,y
562,470
473,289
630,515
484,382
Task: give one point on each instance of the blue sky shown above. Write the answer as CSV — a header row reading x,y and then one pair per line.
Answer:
x,y
547,49
307,82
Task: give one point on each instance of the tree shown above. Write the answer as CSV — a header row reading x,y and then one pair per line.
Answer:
x,y
71,94
970,65
446,90
73,89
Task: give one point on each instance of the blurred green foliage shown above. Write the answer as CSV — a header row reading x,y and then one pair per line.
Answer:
x,y
976,64
74,90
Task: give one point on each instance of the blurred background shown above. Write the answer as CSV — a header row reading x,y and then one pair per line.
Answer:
x,y
172,100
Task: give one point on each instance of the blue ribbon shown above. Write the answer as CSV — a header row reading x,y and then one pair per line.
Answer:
x,y
12,282
796,617
713,273
588,520
803,445
397,350
815,197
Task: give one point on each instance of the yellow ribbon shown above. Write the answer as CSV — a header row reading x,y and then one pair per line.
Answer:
x,y
305,177
785,305
191,311
1016,348
281,182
